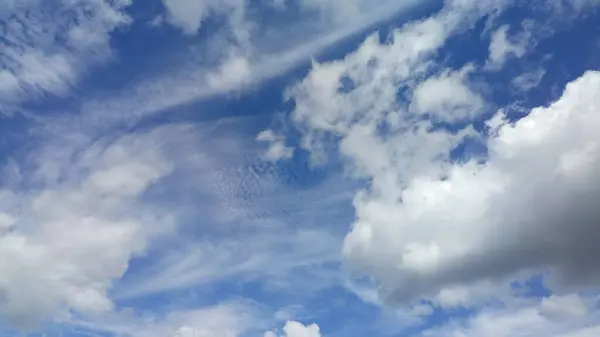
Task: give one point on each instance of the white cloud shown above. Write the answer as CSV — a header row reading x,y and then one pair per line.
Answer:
x,y
277,149
528,80
525,320
233,72
188,15
571,8
502,47
434,242
278,259
239,55
32,67
297,329
75,233
243,223
447,97
584,332
423,226
223,320
427,228
376,71
93,215
563,306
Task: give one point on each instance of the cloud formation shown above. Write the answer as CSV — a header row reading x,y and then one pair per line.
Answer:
x,y
297,329
432,228
447,98
137,197
502,48
33,65
547,318
64,242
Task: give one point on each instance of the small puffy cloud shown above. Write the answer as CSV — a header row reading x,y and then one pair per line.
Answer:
x,y
277,149
233,72
446,97
502,47
297,329
187,15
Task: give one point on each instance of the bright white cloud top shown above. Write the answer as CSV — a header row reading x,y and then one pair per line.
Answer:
x,y
300,168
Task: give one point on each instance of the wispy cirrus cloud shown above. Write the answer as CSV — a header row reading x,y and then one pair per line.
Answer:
x,y
47,45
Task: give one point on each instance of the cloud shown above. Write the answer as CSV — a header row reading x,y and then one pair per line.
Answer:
x,y
251,221
429,227
197,208
277,149
188,15
526,320
103,198
528,80
65,240
375,73
502,47
560,306
32,67
279,260
507,229
227,320
571,9
297,329
241,53
233,72
446,97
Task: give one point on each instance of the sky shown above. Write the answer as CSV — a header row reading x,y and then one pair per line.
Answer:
x,y
300,168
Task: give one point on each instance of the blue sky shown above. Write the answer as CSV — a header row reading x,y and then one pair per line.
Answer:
x,y
300,168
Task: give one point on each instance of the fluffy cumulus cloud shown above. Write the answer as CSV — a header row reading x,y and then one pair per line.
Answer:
x,y
502,47
376,72
530,206
446,98
297,329
277,149
64,243
187,15
428,226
